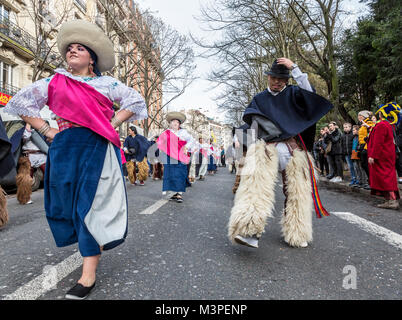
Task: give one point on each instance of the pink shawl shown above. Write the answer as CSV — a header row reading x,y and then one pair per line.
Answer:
x,y
80,103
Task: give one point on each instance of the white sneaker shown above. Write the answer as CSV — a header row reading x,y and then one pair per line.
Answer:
x,y
247,241
333,179
29,202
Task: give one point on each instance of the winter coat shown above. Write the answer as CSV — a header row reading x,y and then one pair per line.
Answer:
x,y
363,134
347,143
399,134
381,148
335,139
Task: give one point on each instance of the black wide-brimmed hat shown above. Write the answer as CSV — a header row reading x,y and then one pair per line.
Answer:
x,y
278,71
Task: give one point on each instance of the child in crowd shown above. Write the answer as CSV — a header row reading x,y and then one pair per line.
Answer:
x,y
361,177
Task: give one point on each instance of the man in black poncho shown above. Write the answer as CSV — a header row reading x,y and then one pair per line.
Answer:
x,y
283,119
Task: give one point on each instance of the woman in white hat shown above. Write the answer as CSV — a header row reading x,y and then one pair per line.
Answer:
x,y
83,170
174,144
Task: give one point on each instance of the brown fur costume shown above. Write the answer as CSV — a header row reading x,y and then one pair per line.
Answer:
x,y
24,180
143,170
157,171
3,208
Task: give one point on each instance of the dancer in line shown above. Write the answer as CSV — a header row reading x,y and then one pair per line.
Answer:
x,y
174,144
202,159
212,159
85,196
136,147
284,119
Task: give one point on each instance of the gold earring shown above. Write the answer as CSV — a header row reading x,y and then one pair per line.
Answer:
x,y
91,69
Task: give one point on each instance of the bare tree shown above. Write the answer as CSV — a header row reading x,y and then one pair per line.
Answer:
x,y
254,32
46,21
196,122
319,20
161,64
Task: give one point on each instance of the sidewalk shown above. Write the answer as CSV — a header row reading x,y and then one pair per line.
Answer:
x,y
344,187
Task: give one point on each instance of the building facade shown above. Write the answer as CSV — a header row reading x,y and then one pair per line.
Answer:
x,y
28,50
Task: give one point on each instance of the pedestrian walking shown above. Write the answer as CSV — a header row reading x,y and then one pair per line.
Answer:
x,y
285,118
85,196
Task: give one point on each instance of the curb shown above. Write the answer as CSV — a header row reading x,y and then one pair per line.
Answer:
x,y
344,187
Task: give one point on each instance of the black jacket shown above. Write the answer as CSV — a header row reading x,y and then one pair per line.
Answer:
x,y
335,138
399,134
347,143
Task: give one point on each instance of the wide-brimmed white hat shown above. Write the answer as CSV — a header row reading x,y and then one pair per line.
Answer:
x,y
176,116
90,35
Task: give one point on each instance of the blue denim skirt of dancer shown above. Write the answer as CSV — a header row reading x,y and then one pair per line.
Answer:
x,y
85,195
211,164
175,174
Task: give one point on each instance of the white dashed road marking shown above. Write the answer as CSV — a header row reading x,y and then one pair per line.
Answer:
x,y
54,274
154,207
382,233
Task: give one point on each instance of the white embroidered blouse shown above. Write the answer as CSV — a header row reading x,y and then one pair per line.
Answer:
x,y
31,99
183,134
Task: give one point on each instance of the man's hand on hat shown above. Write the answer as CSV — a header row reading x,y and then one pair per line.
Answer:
x,y
286,62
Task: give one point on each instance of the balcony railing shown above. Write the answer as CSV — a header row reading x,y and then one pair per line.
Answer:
x,y
82,4
8,89
16,33
23,38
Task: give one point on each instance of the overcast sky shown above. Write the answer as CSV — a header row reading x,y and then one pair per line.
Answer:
x,y
180,14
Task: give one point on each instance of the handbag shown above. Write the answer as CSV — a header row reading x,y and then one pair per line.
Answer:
x,y
328,147
355,155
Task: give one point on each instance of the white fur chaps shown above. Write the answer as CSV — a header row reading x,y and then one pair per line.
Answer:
x,y
255,197
297,219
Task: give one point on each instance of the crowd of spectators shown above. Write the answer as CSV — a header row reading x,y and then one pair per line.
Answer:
x,y
336,152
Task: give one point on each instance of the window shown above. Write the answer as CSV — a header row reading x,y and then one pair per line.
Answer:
x,y
6,78
4,13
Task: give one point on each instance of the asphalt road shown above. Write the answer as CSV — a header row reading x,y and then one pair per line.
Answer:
x,y
181,252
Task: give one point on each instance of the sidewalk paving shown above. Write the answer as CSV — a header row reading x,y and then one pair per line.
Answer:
x,y
344,187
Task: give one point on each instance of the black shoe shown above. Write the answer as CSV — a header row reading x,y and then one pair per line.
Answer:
x,y
179,199
79,292
174,197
